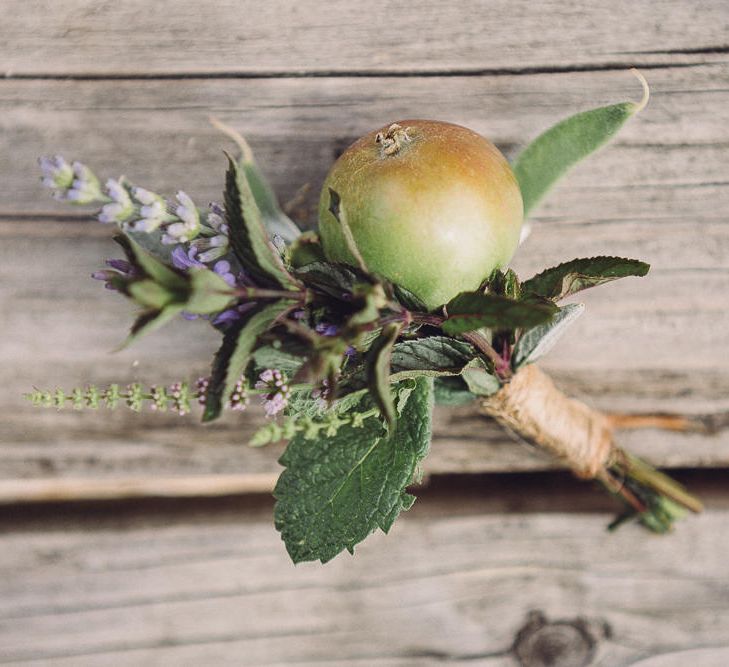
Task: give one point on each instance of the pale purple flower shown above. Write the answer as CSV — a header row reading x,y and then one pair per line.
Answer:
x,y
201,389
239,398
321,394
190,259
232,314
57,173
277,391
84,187
121,207
213,241
188,226
153,211
118,268
326,329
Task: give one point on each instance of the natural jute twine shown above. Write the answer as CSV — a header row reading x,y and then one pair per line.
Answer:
x,y
570,430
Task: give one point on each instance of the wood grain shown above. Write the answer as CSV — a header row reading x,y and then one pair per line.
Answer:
x,y
233,37
62,334
451,583
669,161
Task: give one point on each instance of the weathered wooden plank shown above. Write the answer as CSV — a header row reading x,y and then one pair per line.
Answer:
x,y
445,585
671,159
658,195
629,352
249,37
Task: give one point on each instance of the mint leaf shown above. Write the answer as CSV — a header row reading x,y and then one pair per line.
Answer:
x,y
274,219
480,380
377,368
452,392
434,356
268,356
209,292
150,266
537,342
149,294
334,279
337,490
150,321
248,236
570,277
232,358
473,310
544,161
409,300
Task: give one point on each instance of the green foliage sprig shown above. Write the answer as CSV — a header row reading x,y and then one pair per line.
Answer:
x,y
366,359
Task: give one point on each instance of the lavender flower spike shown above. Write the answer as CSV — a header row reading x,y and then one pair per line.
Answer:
x,y
85,188
121,208
188,226
57,173
153,211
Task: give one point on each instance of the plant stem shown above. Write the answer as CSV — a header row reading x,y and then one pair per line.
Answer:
x,y
648,476
260,293
478,340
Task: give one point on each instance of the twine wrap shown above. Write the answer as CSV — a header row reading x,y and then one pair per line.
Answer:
x,y
533,407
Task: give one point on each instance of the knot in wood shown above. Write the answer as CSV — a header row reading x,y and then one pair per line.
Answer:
x,y
541,643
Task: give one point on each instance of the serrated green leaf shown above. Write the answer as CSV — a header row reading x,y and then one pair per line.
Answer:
x,y
537,342
249,238
269,356
151,321
274,219
472,310
209,293
480,380
306,249
452,392
152,243
409,300
377,370
337,280
505,283
434,357
234,354
151,266
339,489
149,294
578,274
551,155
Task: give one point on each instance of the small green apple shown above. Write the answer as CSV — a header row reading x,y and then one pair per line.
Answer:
x,y
433,207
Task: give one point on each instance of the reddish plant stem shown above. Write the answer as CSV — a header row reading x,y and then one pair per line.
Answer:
x,y
501,366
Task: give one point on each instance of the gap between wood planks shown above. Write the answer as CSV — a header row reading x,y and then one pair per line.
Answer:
x,y
617,65
438,496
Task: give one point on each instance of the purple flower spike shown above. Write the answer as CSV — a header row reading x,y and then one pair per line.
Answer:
x,y
222,268
121,265
185,260
277,394
326,329
232,314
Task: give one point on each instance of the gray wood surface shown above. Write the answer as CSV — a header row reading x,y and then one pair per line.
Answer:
x,y
128,87
658,194
251,37
451,584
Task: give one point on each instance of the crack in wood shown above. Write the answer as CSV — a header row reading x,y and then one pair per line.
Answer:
x,y
617,65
